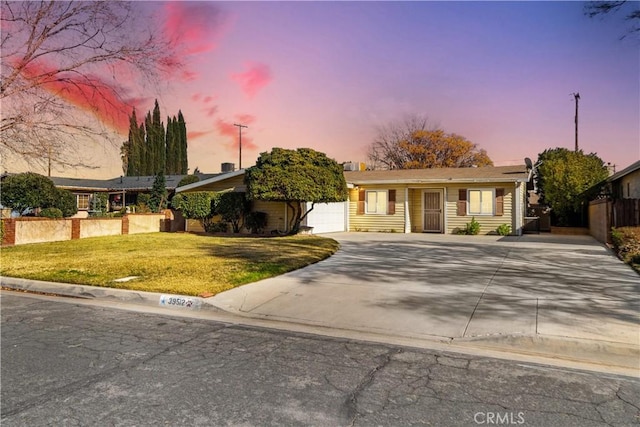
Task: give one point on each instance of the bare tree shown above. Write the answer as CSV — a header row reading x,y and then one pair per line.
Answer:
x,y
413,144
67,68
384,152
599,8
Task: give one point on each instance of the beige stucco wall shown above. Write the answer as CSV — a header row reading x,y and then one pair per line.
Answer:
x,y
45,230
144,223
100,227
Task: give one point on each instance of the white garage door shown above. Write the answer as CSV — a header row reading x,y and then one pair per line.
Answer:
x,y
327,217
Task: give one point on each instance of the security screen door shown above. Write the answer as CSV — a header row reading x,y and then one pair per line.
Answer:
x,y
433,211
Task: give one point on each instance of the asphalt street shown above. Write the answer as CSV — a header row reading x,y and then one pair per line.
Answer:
x,y
73,363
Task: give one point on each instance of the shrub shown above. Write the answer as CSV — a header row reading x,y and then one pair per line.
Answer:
x,y
51,213
504,229
256,222
216,227
199,205
471,228
65,201
626,242
233,207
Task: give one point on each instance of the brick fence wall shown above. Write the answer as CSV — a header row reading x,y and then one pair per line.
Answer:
x,y
19,231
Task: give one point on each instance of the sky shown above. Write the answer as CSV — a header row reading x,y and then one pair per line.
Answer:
x,y
327,75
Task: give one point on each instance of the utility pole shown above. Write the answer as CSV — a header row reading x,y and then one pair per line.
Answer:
x,y
576,96
240,143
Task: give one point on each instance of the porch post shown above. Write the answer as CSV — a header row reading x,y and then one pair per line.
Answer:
x,y
518,208
407,217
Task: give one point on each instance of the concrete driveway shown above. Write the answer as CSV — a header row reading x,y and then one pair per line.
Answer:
x,y
481,290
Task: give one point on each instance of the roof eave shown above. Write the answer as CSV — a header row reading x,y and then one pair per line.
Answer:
x,y
437,181
212,180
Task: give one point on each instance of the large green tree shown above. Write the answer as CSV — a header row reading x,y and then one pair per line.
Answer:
x,y
563,179
296,177
29,190
412,144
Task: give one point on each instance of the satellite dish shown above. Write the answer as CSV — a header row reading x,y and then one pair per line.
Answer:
x,y
527,162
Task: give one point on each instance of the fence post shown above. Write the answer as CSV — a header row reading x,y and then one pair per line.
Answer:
x,y
9,234
125,224
75,228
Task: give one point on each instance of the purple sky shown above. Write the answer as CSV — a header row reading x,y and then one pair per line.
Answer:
x,y
325,74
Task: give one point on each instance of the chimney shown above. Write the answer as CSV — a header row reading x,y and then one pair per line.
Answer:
x,y
227,167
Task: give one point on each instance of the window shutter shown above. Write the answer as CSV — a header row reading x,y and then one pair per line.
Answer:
x,y
499,201
361,198
391,206
462,202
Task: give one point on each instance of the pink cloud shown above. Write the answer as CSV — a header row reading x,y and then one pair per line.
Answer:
x,y
256,77
197,134
194,26
207,99
229,130
91,93
189,76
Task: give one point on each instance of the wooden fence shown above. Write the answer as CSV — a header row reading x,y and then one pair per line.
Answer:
x,y
606,213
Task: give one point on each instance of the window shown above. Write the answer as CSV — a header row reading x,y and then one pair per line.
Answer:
x,y
82,201
377,202
480,202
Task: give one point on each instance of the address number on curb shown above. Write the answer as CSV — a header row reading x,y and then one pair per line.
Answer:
x,y
178,302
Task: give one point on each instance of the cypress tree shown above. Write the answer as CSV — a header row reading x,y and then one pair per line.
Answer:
x,y
158,141
132,149
168,146
182,143
148,154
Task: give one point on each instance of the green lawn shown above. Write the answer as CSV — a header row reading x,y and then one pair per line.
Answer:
x,y
177,263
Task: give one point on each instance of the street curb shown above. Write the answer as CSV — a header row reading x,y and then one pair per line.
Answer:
x,y
110,294
615,358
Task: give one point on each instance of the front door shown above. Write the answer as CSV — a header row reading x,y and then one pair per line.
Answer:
x,y
432,205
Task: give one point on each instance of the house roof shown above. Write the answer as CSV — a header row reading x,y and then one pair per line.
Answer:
x,y
439,175
211,180
626,171
126,183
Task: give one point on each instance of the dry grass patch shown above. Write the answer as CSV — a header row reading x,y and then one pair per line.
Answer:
x,y
179,263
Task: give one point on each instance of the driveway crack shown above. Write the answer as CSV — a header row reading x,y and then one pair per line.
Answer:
x,y
504,258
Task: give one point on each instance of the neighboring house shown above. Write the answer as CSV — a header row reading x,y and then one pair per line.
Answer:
x,y
439,200
123,191
626,183
617,203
